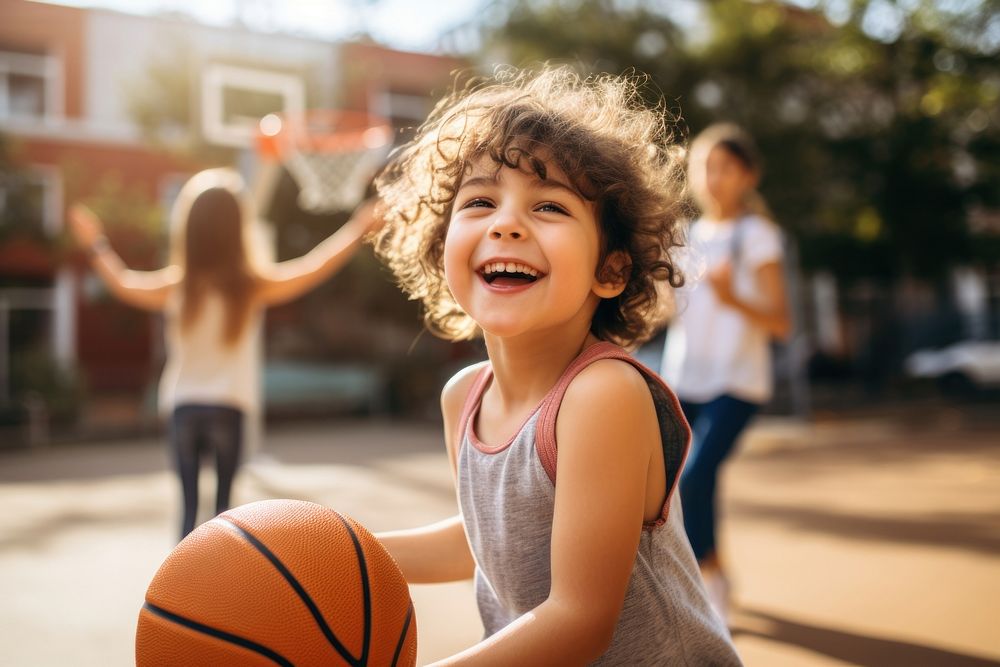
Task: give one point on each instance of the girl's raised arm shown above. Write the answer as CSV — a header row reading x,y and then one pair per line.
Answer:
x,y
148,290
606,430
288,280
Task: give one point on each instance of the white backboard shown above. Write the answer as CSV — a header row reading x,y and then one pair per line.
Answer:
x,y
235,98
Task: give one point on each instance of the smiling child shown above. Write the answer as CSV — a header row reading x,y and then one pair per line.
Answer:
x,y
538,210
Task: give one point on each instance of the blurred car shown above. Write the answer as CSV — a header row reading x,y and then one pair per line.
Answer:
x,y
964,368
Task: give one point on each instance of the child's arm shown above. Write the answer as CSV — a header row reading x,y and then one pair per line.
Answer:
x,y
143,289
772,313
606,431
288,280
431,554
439,552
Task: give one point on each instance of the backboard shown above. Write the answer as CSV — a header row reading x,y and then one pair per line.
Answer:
x,y
234,99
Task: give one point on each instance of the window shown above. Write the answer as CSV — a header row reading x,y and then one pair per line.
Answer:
x,y
29,85
31,200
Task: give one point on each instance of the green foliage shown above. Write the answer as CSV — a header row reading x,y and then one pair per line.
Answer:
x,y
598,33
36,375
20,210
122,207
880,135
133,221
162,101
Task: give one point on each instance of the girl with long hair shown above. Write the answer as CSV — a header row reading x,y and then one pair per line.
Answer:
x,y
213,295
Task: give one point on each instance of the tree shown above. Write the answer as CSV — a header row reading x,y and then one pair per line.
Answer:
x,y
880,134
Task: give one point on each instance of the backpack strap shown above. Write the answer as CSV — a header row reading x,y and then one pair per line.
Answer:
x,y
675,434
736,243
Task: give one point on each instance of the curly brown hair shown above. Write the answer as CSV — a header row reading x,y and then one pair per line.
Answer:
x,y
617,151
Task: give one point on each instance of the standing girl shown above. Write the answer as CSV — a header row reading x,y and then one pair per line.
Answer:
x,y
717,356
212,298
539,209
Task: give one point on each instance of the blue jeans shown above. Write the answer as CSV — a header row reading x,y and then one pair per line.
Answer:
x,y
715,426
195,429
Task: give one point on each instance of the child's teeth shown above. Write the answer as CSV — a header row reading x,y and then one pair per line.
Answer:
x,y
509,267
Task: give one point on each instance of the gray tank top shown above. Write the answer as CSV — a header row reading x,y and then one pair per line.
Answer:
x,y
507,496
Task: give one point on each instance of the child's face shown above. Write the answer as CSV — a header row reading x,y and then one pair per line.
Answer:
x,y
726,178
521,253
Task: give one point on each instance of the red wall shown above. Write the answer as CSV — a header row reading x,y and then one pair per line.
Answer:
x,y
33,27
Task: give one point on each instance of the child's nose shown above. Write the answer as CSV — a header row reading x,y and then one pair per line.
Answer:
x,y
498,234
506,225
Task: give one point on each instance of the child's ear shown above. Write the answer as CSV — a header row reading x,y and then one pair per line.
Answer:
x,y
613,275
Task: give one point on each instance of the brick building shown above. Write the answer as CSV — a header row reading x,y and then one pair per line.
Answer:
x,y
102,106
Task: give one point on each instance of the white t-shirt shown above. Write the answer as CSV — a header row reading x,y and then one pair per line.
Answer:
x,y
713,349
201,368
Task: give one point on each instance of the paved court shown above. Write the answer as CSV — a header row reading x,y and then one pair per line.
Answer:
x,y
865,541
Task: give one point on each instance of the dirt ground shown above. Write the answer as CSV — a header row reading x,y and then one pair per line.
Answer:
x,y
864,540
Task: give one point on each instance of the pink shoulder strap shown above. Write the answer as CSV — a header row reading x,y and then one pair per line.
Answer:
x,y
674,429
472,402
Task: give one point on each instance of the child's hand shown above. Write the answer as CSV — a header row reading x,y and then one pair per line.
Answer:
x,y
721,280
85,226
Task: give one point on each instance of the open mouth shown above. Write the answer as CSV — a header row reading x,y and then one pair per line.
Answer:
x,y
509,274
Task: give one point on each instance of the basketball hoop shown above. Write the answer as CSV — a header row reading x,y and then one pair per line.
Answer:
x,y
332,155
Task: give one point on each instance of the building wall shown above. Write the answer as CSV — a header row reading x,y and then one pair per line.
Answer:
x,y
89,138
53,30
121,48
398,84
72,155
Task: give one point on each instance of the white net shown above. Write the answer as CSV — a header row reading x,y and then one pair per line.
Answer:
x,y
334,181
331,156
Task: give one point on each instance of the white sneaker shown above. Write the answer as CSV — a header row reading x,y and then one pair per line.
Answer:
x,y
717,586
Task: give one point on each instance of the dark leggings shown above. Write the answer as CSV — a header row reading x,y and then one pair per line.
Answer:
x,y
715,428
195,429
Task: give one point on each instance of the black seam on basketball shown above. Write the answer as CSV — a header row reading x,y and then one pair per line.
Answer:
x,y
298,588
365,588
219,634
402,635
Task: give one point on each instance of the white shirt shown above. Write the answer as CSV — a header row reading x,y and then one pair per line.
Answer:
x,y
713,349
201,367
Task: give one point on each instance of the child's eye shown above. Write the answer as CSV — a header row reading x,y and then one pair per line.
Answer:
x,y
478,203
549,207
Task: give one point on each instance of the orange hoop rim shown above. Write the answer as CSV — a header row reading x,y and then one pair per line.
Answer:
x,y
320,131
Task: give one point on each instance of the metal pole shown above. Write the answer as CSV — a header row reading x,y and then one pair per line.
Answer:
x,y
798,346
4,352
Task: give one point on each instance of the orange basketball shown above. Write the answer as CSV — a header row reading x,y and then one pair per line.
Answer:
x,y
278,582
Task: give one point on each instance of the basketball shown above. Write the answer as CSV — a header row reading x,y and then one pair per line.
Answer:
x,y
278,582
